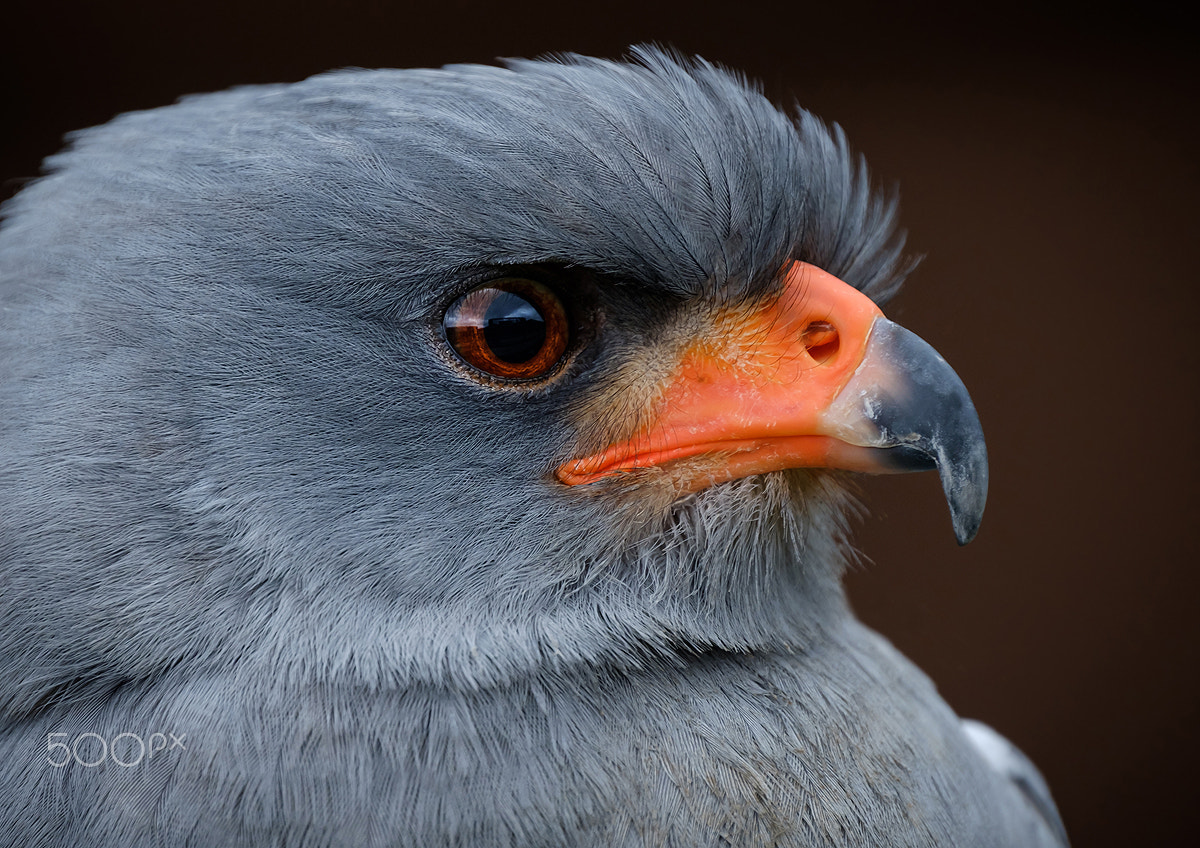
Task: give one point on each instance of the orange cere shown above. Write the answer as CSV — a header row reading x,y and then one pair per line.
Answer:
x,y
753,397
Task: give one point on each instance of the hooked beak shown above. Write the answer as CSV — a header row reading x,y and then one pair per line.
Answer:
x,y
815,378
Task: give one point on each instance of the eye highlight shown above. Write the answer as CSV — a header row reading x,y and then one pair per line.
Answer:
x,y
511,327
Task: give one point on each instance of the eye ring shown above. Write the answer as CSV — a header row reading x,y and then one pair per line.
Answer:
x,y
513,328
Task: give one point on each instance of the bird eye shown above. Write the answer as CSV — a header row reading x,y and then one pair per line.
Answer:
x,y
511,327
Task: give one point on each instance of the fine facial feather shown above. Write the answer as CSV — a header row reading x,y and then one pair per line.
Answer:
x,y
245,495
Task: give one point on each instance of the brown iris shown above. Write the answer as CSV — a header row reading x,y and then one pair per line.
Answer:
x,y
511,327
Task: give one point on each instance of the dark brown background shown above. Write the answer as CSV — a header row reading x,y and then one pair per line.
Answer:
x,y
1047,167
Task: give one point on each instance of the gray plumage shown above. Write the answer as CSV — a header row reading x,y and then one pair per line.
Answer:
x,y
248,499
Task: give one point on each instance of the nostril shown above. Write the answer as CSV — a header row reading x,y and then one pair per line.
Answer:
x,y
821,340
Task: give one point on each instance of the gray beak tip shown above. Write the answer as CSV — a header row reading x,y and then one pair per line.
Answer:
x,y
965,482
910,402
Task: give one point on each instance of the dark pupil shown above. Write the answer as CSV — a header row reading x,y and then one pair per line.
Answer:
x,y
513,328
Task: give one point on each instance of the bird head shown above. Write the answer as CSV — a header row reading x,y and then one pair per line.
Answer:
x,y
450,375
